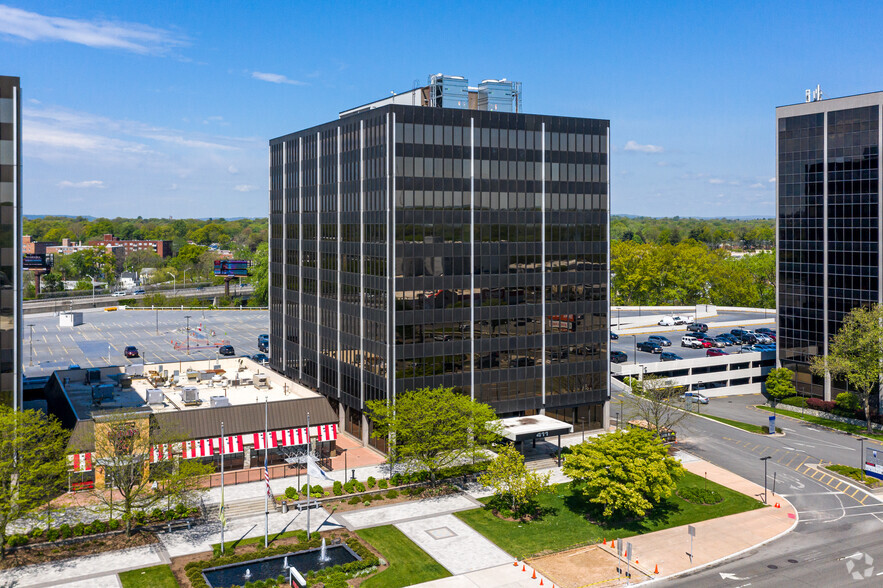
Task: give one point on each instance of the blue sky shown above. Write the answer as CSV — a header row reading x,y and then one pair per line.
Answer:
x,y
165,108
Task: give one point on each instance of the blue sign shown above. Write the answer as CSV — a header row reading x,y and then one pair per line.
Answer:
x,y
772,424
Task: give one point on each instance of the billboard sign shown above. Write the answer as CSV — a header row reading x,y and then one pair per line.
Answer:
x,y
873,464
36,261
231,267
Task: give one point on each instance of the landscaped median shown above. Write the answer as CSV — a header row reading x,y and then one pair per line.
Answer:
x,y
854,474
751,428
829,423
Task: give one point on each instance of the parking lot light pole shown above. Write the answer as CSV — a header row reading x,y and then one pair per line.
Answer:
x,y
764,460
188,333
582,421
635,348
861,461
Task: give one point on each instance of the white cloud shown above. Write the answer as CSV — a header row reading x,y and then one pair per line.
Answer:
x,y
757,186
715,181
233,170
276,78
245,188
772,180
84,184
99,34
634,146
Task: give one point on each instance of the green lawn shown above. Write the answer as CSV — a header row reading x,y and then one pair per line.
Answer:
x,y
155,577
831,424
566,524
408,564
744,426
854,473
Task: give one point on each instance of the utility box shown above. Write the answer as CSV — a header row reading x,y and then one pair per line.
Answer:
x,y
155,396
70,319
102,392
217,401
260,381
189,394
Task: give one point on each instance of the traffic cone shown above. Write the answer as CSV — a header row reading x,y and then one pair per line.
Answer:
x,y
613,544
515,564
605,541
523,569
541,581
534,577
777,505
636,562
656,569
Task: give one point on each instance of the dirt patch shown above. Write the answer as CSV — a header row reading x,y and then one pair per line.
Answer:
x,y
178,563
50,553
581,567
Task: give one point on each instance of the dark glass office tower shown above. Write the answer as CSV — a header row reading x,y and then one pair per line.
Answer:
x,y
423,246
828,225
10,242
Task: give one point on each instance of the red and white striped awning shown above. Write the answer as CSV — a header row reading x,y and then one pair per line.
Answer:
x,y
80,462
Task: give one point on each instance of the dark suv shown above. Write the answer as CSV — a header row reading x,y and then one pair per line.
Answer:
x,y
264,343
697,328
618,357
659,339
650,347
226,350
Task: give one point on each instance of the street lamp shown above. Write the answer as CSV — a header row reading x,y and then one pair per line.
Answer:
x,y
31,341
343,451
764,460
582,421
184,281
91,279
861,464
188,333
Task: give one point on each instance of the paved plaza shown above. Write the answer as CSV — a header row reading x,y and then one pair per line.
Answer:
x,y
103,336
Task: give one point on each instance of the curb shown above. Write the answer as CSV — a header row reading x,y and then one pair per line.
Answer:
x,y
826,427
702,416
732,555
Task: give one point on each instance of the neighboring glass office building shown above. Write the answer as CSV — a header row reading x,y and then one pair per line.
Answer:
x,y
10,242
829,225
464,247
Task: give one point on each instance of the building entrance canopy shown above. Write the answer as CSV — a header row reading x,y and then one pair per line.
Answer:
x,y
534,427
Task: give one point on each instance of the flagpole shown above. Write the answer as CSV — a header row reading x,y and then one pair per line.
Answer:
x,y
266,475
221,510
309,534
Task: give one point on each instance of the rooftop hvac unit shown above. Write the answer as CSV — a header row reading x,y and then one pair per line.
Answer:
x,y
189,394
102,392
260,381
93,376
155,396
217,401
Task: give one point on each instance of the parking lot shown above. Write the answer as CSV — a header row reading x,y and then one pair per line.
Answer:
x,y
158,335
626,343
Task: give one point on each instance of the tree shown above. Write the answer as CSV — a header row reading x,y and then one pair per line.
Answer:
x,y
260,276
32,464
123,441
51,282
855,354
508,476
652,402
434,428
626,472
779,385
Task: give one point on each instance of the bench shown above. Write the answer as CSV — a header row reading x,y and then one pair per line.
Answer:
x,y
304,504
181,524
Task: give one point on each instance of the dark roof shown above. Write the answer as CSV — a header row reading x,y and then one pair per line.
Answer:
x,y
247,418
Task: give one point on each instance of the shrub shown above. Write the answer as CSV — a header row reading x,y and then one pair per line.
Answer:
x,y
304,490
156,513
367,503
316,489
700,495
52,534
383,484
36,533
798,401
17,540
817,404
79,530
846,404
291,493
396,479
354,500
392,494
113,524
338,488
371,481
98,526
359,486
65,531
181,509
140,516
349,486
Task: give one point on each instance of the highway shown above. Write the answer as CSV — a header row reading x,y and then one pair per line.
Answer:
x,y
104,300
838,523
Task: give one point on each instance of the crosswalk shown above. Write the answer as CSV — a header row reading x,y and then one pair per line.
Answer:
x,y
803,464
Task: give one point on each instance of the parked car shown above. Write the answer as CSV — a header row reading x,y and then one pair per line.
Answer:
x,y
763,339
766,331
713,352
260,358
226,350
694,397
139,291
669,356
650,347
690,341
666,321
710,339
697,327
618,357
613,336
664,341
728,339
131,351
264,342
744,335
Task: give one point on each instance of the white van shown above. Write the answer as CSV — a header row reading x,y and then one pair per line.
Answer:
x,y
695,397
666,321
